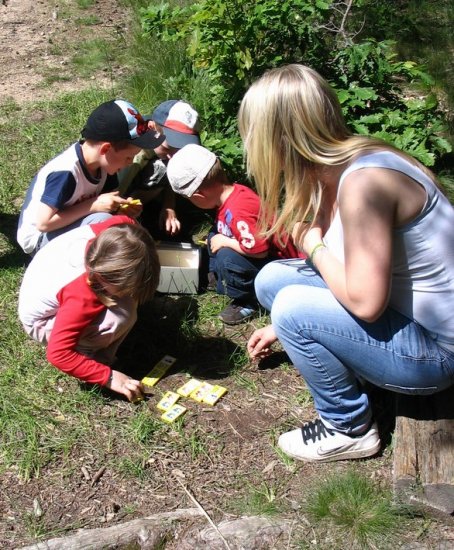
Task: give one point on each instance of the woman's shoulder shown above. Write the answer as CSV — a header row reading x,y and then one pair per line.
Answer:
x,y
382,165
384,158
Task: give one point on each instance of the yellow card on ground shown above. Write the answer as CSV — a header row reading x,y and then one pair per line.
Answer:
x,y
173,413
191,385
158,371
168,400
199,393
212,396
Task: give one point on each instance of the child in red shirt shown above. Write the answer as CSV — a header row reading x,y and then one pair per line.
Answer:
x,y
236,246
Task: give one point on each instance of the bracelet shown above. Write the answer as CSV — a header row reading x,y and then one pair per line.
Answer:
x,y
109,381
316,248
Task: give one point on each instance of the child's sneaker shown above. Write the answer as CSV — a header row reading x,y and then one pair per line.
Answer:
x,y
234,314
315,442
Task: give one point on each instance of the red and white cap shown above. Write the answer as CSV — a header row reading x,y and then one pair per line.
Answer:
x,y
180,122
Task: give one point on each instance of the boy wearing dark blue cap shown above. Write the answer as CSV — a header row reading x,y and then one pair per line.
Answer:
x,y
78,186
146,179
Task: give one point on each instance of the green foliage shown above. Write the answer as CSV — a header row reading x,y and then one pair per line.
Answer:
x,y
368,81
230,43
234,41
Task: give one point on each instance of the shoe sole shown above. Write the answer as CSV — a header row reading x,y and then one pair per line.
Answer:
x,y
347,455
233,323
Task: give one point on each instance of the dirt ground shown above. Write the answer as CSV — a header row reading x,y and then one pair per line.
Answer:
x,y
36,38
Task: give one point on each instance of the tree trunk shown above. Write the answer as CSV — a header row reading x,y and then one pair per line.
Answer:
x,y
424,450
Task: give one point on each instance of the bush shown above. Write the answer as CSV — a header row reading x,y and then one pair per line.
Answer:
x,y
229,43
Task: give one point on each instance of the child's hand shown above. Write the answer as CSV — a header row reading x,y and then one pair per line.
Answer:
x,y
168,220
107,202
217,242
259,344
130,388
131,207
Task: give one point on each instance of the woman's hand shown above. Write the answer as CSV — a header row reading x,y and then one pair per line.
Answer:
x,y
130,388
312,238
259,344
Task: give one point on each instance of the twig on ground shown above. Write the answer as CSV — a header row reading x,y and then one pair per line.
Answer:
x,y
200,507
98,475
235,431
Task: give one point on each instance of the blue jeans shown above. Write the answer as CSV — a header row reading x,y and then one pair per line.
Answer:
x,y
235,273
96,217
333,350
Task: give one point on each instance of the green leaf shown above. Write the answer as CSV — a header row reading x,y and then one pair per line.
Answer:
x,y
365,93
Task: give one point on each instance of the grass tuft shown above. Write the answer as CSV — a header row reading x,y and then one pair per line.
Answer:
x,y
259,500
353,507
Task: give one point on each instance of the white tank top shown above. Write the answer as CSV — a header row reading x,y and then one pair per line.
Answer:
x,y
422,285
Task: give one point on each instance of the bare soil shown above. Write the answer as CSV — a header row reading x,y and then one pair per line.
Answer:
x,y
223,452
39,37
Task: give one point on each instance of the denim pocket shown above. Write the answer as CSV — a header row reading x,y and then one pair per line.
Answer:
x,y
429,390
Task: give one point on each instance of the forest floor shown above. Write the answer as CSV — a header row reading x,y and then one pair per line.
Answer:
x,y
228,449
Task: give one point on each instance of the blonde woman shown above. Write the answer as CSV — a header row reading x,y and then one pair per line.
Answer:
x,y
374,300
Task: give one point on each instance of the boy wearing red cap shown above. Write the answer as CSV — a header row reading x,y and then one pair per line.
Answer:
x,y
147,179
78,186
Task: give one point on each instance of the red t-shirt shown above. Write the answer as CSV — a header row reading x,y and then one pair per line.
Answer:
x,y
238,218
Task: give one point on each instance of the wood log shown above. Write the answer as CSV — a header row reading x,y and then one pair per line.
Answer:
x,y
423,469
146,533
254,533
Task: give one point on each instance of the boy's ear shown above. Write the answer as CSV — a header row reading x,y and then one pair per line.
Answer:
x,y
152,125
105,147
198,194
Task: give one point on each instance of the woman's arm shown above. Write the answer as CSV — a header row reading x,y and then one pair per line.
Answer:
x,y
367,206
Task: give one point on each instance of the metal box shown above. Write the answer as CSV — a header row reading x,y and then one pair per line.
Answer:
x,y
180,263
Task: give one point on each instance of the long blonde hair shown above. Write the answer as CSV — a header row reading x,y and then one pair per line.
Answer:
x,y
125,257
291,124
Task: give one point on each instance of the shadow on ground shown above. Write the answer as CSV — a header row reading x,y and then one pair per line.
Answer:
x,y
11,255
165,327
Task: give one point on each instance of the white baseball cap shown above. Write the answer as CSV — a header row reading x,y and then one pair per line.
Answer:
x,y
188,168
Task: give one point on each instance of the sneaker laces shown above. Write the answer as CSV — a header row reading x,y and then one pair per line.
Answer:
x,y
315,430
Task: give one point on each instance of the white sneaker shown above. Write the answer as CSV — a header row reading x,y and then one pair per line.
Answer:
x,y
315,442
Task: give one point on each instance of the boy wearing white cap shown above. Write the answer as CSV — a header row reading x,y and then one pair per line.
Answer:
x,y
236,248
146,179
